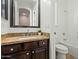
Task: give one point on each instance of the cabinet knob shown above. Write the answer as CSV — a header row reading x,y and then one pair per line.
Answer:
x,y
27,53
43,42
11,49
33,52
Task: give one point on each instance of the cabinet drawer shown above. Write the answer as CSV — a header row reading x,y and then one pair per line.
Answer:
x,y
30,45
8,56
10,49
43,43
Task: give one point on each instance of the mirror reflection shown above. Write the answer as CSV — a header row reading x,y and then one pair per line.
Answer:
x,y
25,13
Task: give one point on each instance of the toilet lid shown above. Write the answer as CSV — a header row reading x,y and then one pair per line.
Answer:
x,y
62,47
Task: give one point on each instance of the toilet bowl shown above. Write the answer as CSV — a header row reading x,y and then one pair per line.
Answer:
x,y
61,51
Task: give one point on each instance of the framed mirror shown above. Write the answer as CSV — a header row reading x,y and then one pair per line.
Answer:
x,y
25,13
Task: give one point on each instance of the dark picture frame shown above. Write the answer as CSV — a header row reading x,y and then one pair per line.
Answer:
x,y
4,9
12,18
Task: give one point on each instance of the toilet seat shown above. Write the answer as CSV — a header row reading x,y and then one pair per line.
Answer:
x,y
61,48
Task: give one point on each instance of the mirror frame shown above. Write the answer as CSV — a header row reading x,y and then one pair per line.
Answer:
x,y
5,9
11,17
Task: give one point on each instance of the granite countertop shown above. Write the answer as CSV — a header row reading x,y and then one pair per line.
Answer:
x,y
20,39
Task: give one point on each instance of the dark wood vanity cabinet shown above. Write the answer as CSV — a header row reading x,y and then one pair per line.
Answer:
x,y
26,50
40,53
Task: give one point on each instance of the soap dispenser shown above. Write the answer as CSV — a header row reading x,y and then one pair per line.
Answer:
x,y
39,32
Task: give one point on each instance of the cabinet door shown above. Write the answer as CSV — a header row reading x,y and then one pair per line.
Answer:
x,y
25,55
21,55
40,53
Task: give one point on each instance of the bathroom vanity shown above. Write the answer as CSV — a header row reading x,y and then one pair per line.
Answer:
x,y
20,47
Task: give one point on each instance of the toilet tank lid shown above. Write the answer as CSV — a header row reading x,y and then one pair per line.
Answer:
x,y
62,47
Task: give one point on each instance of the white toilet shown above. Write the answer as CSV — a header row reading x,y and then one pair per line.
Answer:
x,y
61,51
